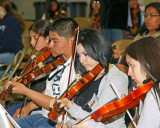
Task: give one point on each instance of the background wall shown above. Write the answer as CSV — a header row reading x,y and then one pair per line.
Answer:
x,y
33,9
145,2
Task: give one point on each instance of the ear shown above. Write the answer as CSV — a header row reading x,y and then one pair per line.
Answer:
x,y
71,41
47,39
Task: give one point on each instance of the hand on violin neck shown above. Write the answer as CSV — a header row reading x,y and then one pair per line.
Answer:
x,y
16,78
52,102
16,87
65,103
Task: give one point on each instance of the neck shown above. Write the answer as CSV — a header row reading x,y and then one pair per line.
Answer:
x,y
96,11
110,66
67,56
102,72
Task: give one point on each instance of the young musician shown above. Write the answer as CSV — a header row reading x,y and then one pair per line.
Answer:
x,y
61,37
41,46
142,57
93,49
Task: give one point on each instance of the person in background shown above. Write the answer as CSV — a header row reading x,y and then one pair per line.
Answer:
x,y
94,48
11,29
114,16
95,14
135,17
53,10
151,25
142,57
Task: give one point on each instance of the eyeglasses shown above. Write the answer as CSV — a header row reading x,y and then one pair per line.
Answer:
x,y
96,2
150,16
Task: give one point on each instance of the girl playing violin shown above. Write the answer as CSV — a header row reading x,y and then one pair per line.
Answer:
x,y
42,44
142,57
95,14
93,49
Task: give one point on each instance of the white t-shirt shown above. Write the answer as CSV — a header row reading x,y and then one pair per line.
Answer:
x,y
57,83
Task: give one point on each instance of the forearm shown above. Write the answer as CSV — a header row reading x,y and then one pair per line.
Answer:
x,y
31,106
38,98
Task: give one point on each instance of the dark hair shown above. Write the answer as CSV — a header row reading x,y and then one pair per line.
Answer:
x,y
64,27
49,12
6,4
147,52
96,45
40,26
155,5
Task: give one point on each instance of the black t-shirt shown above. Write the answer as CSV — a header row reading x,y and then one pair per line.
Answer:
x,y
83,99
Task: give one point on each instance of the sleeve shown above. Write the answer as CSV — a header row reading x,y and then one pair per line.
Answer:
x,y
64,82
121,83
150,114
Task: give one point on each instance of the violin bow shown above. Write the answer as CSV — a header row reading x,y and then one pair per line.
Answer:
x,y
25,67
33,50
76,32
116,92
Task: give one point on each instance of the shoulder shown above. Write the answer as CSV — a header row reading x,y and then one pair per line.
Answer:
x,y
152,97
156,34
11,19
115,72
149,112
118,78
138,36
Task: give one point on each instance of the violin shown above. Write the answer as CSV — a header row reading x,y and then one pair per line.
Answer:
x,y
40,57
114,108
76,89
96,22
134,12
33,75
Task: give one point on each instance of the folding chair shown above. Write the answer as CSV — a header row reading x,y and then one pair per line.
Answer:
x,y
82,21
121,45
14,65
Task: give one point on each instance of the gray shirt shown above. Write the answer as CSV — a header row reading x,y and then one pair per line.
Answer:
x,y
105,94
149,112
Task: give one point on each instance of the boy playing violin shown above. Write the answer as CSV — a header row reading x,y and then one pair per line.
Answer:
x,y
61,39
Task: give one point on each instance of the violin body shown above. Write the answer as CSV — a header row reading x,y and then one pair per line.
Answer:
x,y
76,89
41,56
37,74
116,107
34,75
